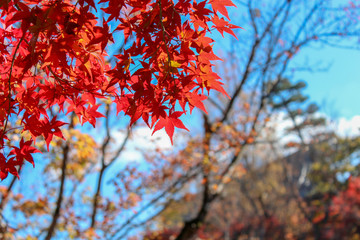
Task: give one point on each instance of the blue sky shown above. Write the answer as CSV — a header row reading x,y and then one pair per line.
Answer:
x,y
336,90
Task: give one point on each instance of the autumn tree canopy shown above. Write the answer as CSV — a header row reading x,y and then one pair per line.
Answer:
x,y
55,57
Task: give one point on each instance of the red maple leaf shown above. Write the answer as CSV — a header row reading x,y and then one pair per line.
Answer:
x,y
220,6
101,35
196,100
3,169
8,167
24,151
90,2
90,115
223,26
50,129
170,122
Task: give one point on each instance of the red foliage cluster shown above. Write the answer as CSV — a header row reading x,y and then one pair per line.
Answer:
x,y
344,215
53,53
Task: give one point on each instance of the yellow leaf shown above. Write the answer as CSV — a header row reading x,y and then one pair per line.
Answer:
x,y
174,64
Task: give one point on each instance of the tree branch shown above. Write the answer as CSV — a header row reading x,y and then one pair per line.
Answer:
x,y
56,213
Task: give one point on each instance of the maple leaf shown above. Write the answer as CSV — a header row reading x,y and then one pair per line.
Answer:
x,y
8,167
24,151
101,35
3,170
158,111
114,8
24,14
90,2
200,16
206,57
223,26
34,126
90,115
220,6
50,129
196,100
170,122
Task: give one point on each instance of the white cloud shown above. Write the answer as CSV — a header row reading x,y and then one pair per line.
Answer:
x,y
280,124
342,127
141,139
349,128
